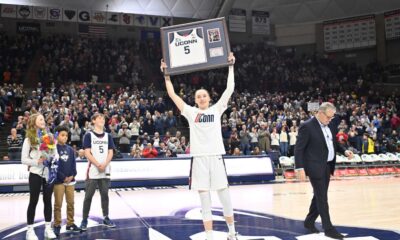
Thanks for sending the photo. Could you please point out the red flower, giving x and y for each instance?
(43, 147)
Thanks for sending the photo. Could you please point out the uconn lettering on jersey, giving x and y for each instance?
(204, 118)
(179, 42)
(99, 142)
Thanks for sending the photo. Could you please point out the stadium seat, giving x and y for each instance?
(384, 158)
(375, 158)
(341, 160)
(392, 157)
(356, 159)
(367, 158)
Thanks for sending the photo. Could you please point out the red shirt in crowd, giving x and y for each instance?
(150, 153)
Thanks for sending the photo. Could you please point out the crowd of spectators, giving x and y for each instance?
(273, 90)
(16, 55)
(64, 59)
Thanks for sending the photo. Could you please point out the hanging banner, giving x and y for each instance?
(54, 14)
(24, 12)
(154, 21)
(40, 13)
(392, 24)
(166, 21)
(83, 16)
(260, 23)
(349, 33)
(237, 20)
(140, 21)
(113, 18)
(8, 11)
(126, 19)
(70, 15)
(98, 17)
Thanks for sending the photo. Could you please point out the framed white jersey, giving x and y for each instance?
(195, 46)
(187, 47)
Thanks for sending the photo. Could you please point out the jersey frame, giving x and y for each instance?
(216, 44)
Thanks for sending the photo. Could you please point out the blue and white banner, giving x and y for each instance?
(83, 16)
(154, 21)
(140, 20)
(54, 14)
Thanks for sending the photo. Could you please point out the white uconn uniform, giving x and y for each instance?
(206, 144)
(99, 150)
(187, 49)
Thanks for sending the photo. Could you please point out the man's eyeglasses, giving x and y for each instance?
(329, 117)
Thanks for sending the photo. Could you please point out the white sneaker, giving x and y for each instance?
(49, 233)
(31, 235)
(233, 237)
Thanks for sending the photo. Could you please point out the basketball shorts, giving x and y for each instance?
(208, 173)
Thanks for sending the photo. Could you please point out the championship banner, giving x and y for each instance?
(98, 17)
(195, 46)
(70, 15)
(40, 13)
(260, 23)
(349, 33)
(140, 21)
(113, 18)
(84, 16)
(24, 12)
(126, 19)
(8, 11)
(392, 24)
(237, 20)
(54, 14)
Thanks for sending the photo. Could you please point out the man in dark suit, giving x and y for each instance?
(315, 156)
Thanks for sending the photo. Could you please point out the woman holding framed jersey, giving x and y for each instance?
(208, 168)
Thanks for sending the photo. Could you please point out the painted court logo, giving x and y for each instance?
(204, 118)
(186, 224)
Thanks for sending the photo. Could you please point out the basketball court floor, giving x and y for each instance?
(361, 208)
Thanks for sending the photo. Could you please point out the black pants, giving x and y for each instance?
(36, 182)
(319, 204)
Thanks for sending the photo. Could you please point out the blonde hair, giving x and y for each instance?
(31, 132)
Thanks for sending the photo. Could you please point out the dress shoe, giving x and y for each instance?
(311, 228)
(333, 233)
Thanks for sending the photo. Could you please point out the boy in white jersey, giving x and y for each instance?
(208, 168)
(98, 147)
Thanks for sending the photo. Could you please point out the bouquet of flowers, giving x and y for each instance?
(47, 147)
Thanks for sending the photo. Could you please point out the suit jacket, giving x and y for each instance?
(311, 151)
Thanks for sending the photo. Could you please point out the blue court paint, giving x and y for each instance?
(184, 224)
